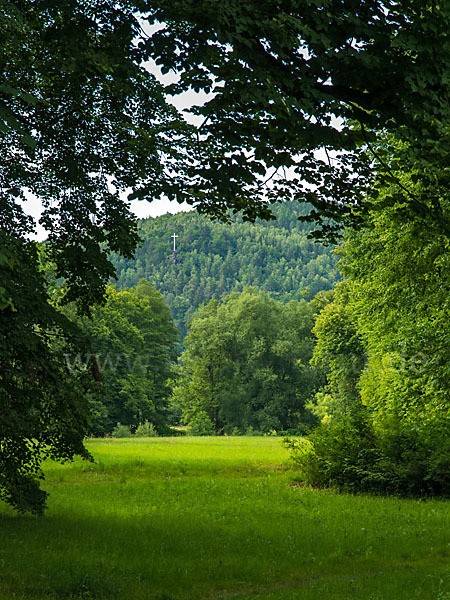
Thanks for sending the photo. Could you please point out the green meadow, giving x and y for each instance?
(216, 518)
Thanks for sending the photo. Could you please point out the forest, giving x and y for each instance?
(288, 362)
(260, 370)
(214, 259)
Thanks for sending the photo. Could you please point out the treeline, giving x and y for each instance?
(357, 376)
(214, 259)
(245, 368)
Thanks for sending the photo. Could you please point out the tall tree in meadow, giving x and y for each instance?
(383, 343)
(246, 363)
(132, 348)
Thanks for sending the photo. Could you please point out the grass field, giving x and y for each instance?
(216, 518)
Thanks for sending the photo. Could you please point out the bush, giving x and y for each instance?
(121, 431)
(339, 453)
(201, 424)
(146, 429)
(347, 455)
(305, 459)
(419, 464)
(253, 432)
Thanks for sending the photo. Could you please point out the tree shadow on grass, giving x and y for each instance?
(186, 540)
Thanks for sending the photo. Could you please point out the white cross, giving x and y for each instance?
(174, 240)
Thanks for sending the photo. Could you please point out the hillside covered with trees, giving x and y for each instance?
(214, 259)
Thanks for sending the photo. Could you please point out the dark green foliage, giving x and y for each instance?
(346, 453)
(341, 453)
(43, 403)
(78, 126)
(80, 123)
(133, 341)
(284, 74)
(214, 259)
(246, 363)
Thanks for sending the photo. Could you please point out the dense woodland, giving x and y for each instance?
(214, 259)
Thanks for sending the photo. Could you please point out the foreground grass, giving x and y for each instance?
(207, 518)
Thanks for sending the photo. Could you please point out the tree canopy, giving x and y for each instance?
(246, 363)
(290, 78)
(81, 121)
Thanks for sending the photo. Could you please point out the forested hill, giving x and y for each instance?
(214, 259)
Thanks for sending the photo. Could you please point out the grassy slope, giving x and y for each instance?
(213, 518)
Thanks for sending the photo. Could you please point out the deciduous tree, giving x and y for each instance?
(246, 363)
(133, 347)
(81, 121)
(289, 78)
(383, 343)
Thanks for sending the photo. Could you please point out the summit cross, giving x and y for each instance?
(174, 241)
